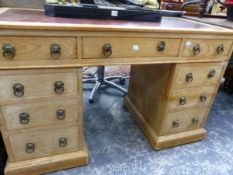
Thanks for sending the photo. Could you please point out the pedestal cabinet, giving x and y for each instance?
(171, 102)
(41, 109)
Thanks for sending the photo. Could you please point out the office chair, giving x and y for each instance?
(99, 79)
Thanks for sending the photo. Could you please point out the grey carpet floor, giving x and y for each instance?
(118, 147)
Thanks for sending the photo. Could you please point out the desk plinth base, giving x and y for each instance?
(161, 142)
(47, 164)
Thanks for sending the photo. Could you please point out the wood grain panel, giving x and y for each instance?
(192, 96)
(208, 48)
(41, 113)
(147, 85)
(199, 73)
(48, 164)
(5, 137)
(161, 142)
(38, 48)
(45, 140)
(180, 138)
(129, 47)
(184, 118)
(37, 83)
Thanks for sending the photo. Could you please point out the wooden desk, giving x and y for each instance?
(176, 69)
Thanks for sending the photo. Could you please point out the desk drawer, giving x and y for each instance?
(181, 99)
(201, 47)
(44, 142)
(41, 113)
(29, 84)
(102, 47)
(184, 120)
(37, 48)
(197, 74)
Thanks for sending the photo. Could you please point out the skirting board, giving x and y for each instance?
(47, 164)
(161, 142)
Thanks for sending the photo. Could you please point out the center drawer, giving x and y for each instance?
(29, 84)
(37, 48)
(47, 141)
(123, 47)
(41, 113)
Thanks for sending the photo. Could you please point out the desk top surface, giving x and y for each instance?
(36, 19)
(214, 21)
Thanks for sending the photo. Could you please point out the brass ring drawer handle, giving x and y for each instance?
(61, 114)
(59, 87)
(18, 90)
(196, 49)
(203, 98)
(63, 142)
(55, 50)
(195, 120)
(189, 77)
(183, 100)
(161, 46)
(220, 49)
(24, 118)
(211, 73)
(175, 123)
(30, 147)
(107, 50)
(8, 51)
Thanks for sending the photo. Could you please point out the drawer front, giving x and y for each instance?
(35, 144)
(40, 113)
(37, 48)
(193, 75)
(102, 47)
(37, 84)
(184, 121)
(192, 97)
(200, 48)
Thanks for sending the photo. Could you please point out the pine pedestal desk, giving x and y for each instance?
(177, 66)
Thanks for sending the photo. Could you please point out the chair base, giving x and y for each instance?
(101, 80)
